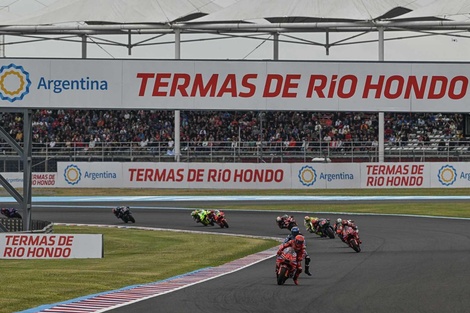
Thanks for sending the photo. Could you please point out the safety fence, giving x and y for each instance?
(46, 156)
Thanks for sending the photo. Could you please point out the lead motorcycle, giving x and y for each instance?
(124, 213)
(286, 265)
(219, 218)
(286, 221)
(11, 213)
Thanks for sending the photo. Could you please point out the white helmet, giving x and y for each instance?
(278, 219)
(339, 220)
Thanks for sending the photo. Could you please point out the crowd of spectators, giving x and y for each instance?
(86, 128)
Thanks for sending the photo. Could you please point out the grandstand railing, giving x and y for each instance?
(45, 157)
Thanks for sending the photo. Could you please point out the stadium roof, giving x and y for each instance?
(222, 17)
(117, 11)
(283, 15)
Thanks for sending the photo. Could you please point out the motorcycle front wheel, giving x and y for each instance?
(282, 276)
(355, 245)
(131, 218)
(330, 232)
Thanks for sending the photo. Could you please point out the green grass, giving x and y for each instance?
(130, 257)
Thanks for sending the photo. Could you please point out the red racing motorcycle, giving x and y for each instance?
(286, 221)
(351, 238)
(219, 218)
(286, 265)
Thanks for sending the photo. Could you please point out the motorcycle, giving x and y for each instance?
(11, 213)
(219, 218)
(205, 217)
(325, 228)
(286, 222)
(351, 238)
(286, 265)
(125, 214)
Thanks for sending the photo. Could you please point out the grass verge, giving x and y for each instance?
(130, 257)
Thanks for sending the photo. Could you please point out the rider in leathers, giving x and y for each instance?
(340, 227)
(298, 244)
(294, 232)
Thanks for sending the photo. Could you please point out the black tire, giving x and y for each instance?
(226, 224)
(330, 232)
(131, 218)
(17, 215)
(356, 247)
(282, 276)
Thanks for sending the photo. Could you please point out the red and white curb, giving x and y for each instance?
(117, 298)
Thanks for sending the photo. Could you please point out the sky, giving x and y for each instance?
(435, 48)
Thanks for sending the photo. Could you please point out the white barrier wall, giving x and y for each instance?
(251, 175)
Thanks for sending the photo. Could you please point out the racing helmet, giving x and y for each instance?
(299, 241)
(339, 220)
(295, 231)
(307, 218)
(278, 219)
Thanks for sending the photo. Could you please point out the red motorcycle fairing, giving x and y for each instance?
(286, 265)
(351, 237)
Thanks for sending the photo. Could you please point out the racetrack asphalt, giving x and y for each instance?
(407, 264)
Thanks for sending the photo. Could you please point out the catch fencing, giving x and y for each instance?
(46, 156)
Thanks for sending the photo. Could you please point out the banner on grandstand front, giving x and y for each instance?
(234, 85)
(40, 180)
(51, 246)
(262, 176)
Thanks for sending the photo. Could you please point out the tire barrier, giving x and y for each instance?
(15, 225)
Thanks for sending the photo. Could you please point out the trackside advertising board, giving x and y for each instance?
(262, 176)
(50, 246)
(226, 85)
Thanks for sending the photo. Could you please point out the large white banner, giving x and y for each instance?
(263, 175)
(229, 85)
(50, 246)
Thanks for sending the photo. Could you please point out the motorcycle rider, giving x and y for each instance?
(293, 233)
(195, 215)
(280, 220)
(298, 244)
(217, 214)
(118, 211)
(205, 216)
(340, 225)
(10, 212)
(314, 221)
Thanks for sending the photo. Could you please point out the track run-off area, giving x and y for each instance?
(407, 263)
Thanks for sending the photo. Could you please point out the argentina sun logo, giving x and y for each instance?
(14, 82)
(307, 175)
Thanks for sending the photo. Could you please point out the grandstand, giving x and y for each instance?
(249, 136)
